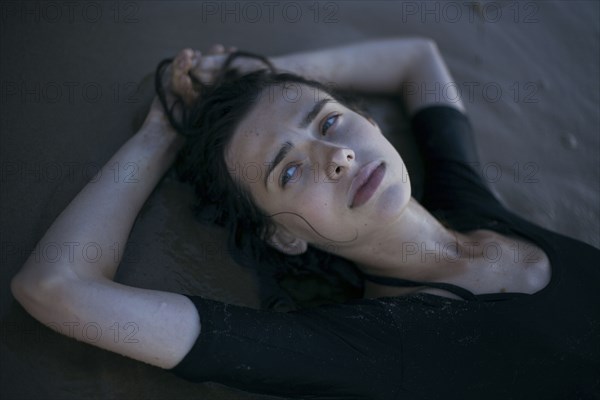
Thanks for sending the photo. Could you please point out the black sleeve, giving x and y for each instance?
(326, 352)
(452, 182)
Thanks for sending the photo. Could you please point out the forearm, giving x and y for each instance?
(92, 231)
(395, 66)
(76, 288)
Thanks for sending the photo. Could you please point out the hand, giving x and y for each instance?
(189, 62)
(178, 81)
(189, 66)
(210, 65)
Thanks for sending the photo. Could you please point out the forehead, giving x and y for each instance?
(282, 104)
(275, 118)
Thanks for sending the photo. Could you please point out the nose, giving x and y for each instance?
(338, 162)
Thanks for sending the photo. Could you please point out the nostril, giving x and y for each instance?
(338, 170)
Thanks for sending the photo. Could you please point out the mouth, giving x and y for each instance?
(365, 183)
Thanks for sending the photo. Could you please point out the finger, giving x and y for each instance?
(183, 62)
(183, 87)
(180, 82)
(184, 58)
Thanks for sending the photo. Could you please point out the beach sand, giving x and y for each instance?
(74, 81)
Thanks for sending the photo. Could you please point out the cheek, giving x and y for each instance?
(315, 206)
(392, 202)
(315, 218)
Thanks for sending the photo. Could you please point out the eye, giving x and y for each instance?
(329, 121)
(289, 174)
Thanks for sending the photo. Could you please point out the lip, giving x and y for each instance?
(366, 182)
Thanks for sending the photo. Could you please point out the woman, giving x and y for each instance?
(440, 315)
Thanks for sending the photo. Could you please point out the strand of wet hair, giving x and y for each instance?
(240, 53)
(225, 68)
(160, 92)
(313, 228)
(182, 128)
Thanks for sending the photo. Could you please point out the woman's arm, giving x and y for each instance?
(412, 67)
(77, 293)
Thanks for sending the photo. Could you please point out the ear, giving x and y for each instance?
(286, 243)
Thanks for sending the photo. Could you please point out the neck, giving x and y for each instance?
(416, 246)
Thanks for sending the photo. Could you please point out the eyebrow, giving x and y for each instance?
(312, 114)
(285, 148)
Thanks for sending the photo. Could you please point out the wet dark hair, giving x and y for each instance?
(209, 125)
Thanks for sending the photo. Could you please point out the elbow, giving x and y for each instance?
(429, 42)
(21, 289)
(428, 46)
(35, 293)
(422, 42)
(26, 291)
(423, 49)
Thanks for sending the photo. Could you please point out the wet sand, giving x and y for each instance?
(73, 83)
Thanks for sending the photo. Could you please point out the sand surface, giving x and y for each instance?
(72, 84)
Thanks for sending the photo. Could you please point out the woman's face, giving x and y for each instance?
(303, 157)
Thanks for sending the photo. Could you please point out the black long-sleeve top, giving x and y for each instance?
(544, 345)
